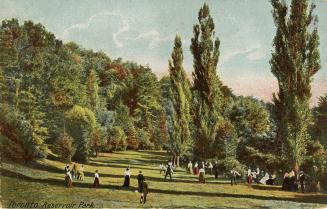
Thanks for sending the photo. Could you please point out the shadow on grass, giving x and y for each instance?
(124, 163)
(264, 187)
(140, 152)
(307, 199)
(141, 156)
(53, 157)
(48, 168)
(114, 165)
(151, 152)
(298, 198)
(155, 179)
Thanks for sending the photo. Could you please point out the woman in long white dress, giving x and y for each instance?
(127, 177)
(264, 179)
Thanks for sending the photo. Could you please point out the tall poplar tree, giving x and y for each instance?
(92, 90)
(294, 62)
(180, 141)
(207, 96)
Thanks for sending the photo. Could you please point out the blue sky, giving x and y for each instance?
(143, 31)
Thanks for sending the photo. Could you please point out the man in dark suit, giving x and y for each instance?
(215, 169)
(145, 191)
(168, 172)
(140, 180)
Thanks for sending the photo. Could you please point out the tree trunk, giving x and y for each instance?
(177, 161)
(173, 159)
(296, 170)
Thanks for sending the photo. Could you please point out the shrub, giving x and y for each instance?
(80, 125)
(16, 137)
(144, 140)
(227, 164)
(117, 139)
(132, 141)
(65, 148)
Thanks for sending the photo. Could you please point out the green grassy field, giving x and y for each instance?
(43, 183)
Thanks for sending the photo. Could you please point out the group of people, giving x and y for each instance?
(143, 187)
(77, 172)
(255, 176)
(201, 169)
(291, 180)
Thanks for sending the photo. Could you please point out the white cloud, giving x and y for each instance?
(253, 52)
(84, 26)
(257, 54)
(154, 38)
(226, 55)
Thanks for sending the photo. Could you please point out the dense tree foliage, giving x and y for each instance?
(294, 62)
(207, 96)
(180, 139)
(80, 123)
(63, 89)
(320, 117)
(64, 147)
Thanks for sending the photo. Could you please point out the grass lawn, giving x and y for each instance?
(43, 183)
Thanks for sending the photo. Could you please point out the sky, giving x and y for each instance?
(143, 31)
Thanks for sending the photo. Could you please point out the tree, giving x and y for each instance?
(96, 141)
(16, 137)
(161, 132)
(168, 109)
(180, 141)
(207, 96)
(65, 148)
(294, 62)
(251, 120)
(3, 88)
(80, 126)
(117, 139)
(132, 142)
(92, 91)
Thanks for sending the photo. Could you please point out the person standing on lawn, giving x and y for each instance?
(74, 171)
(140, 180)
(210, 168)
(145, 191)
(201, 176)
(215, 170)
(233, 175)
(249, 176)
(168, 172)
(127, 175)
(196, 168)
(96, 183)
(190, 167)
(68, 178)
(80, 173)
(302, 179)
